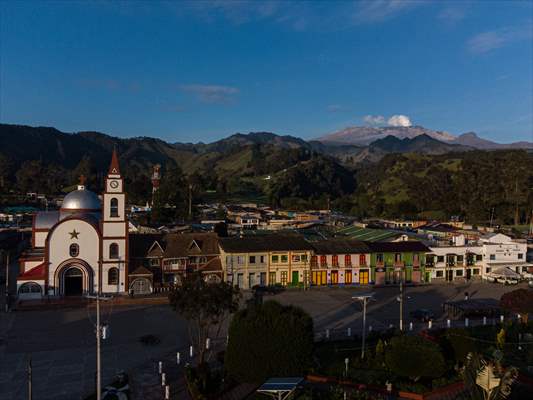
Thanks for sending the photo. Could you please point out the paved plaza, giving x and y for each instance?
(61, 342)
(333, 308)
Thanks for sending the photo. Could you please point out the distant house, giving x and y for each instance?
(454, 262)
(437, 229)
(266, 260)
(169, 257)
(248, 221)
(191, 252)
(340, 261)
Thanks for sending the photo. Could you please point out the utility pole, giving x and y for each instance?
(516, 214)
(364, 298)
(401, 305)
(29, 380)
(98, 337)
(364, 329)
(7, 282)
(190, 201)
(531, 225)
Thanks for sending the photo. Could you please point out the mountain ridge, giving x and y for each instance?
(364, 135)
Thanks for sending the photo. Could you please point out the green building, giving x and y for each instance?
(395, 262)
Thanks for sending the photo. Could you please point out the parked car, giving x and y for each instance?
(422, 314)
(527, 275)
(489, 278)
(507, 281)
(271, 289)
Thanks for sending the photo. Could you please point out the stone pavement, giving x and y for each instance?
(146, 381)
(61, 343)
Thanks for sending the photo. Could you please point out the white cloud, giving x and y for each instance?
(380, 10)
(212, 93)
(374, 119)
(452, 15)
(297, 15)
(399, 120)
(491, 40)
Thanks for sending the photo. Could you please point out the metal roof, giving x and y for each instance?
(280, 384)
(46, 219)
(367, 234)
(81, 200)
(265, 243)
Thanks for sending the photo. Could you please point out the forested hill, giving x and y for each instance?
(47, 160)
(391, 177)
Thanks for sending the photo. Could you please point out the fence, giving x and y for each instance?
(350, 332)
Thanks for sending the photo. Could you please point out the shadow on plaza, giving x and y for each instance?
(384, 309)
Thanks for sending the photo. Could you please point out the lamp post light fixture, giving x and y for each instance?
(364, 298)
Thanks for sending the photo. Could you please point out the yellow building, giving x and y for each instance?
(266, 260)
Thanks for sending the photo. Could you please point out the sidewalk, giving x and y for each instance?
(74, 302)
(145, 381)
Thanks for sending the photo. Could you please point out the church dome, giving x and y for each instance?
(81, 199)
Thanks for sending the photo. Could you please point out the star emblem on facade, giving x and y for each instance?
(74, 234)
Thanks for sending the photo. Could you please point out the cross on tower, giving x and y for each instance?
(83, 179)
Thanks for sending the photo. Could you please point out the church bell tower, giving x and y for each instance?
(114, 231)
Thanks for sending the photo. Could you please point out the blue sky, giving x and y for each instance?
(199, 71)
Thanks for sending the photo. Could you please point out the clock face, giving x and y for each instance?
(114, 184)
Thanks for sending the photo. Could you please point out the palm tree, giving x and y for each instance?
(487, 380)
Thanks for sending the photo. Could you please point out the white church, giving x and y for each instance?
(82, 248)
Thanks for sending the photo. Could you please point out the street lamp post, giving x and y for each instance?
(364, 298)
(401, 305)
(7, 279)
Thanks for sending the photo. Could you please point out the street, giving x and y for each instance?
(61, 342)
(333, 308)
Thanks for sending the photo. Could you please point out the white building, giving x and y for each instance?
(82, 247)
(502, 251)
(461, 260)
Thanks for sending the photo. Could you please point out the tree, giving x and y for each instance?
(500, 339)
(486, 380)
(170, 201)
(268, 340)
(5, 170)
(415, 357)
(518, 301)
(221, 229)
(205, 306)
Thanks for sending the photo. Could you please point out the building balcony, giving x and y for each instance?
(380, 264)
(399, 264)
(175, 268)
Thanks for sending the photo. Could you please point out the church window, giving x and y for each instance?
(114, 207)
(112, 276)
(74, 250)
(113, 250)
(30, 287)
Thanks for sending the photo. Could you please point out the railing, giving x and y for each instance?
(175, 267)
(399, 264)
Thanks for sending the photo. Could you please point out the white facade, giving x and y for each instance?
(455, 262)
(475, 261)
(82, 248)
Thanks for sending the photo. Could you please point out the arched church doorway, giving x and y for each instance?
(73, 280)
(141, 286)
